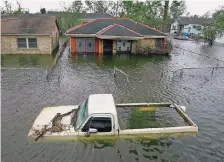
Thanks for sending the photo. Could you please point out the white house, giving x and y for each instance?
(190, 25)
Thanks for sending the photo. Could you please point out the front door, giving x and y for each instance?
(80, 45)
(90, 44)
(107, 46)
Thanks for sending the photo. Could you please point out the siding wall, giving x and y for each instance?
(134, 47)
(185, 28)
(9, 45)
(174, 27)
(193, 30)
(55, 38)
(148, 42)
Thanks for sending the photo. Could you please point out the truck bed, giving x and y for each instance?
(141, 117)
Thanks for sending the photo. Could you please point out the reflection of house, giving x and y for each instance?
(190, 25)
(110, 35)
(29, 34)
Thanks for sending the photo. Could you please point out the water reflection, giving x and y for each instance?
(26, 60)
(117, 60)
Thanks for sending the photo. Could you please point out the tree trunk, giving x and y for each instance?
(165, 15)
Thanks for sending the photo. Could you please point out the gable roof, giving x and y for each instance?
(98, 25)
(118, 30)
(28, 24)
(192, 20)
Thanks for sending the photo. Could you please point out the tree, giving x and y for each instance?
(177, 9)
(7, 9)
(42, 10)
(165, 15)
(215, 26)
(76, 7)
(99, 6)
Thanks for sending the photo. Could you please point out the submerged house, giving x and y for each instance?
(29, 34)
(114, 35)
(190, 25)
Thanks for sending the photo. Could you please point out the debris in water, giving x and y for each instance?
(56, 125)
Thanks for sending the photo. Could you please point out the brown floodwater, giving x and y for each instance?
(185, 78)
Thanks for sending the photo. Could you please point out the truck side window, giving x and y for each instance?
(102, 124)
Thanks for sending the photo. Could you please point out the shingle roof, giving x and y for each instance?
(98, 24)
(192, 20)
(28, 24)
(118, 30)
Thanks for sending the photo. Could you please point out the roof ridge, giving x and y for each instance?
(129, 29)
(106, 29)
(137, 23)
(80, 25)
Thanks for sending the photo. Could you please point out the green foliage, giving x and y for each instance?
(149, 13)
(67, 20)
(42, 10)
(177, 9)
(76, 7)
(215, 27)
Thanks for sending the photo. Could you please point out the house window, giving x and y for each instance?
(123, 44)
(21, 42)
(27, 42)
(102, 124)
(174, 27)
(32, 42)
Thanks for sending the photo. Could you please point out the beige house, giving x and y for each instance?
(29, 34)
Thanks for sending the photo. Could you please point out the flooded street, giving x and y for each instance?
(184, 78)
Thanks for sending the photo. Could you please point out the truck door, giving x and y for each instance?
(97, 126)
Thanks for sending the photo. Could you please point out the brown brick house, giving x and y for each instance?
(29, 34)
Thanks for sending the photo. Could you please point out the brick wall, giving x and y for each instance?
(55, 36)
(9, 45)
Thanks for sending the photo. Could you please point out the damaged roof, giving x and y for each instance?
(28, 24)
(123, 27)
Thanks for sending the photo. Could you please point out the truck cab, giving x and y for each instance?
(97, 115)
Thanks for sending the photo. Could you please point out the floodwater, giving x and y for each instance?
(184, 78)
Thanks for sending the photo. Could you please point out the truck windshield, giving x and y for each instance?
(82, 114)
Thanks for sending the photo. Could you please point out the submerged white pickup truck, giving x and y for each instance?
(97, 117)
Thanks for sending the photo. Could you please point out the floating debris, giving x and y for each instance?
(54, 127)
